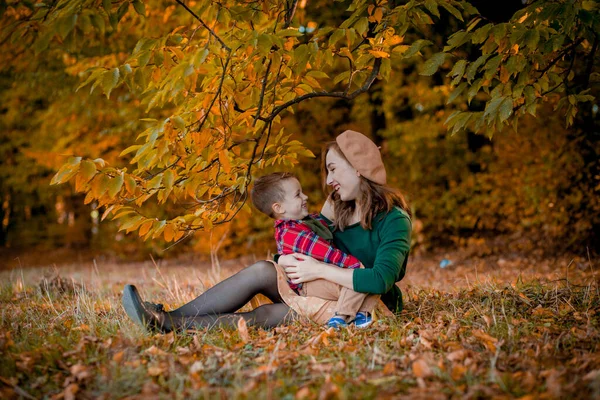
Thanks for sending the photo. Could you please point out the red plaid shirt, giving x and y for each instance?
(293, 236)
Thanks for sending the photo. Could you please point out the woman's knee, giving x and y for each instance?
(263, 268)
(270, 315)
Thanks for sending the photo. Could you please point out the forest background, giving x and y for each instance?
(534, 181)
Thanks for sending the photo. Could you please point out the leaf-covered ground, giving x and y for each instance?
(484, 327)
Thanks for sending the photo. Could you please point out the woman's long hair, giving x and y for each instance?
(375, 197)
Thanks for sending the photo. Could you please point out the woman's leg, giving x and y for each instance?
(266, 316)
(231, 294)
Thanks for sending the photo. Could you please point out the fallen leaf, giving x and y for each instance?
(421, 369)
(156, 370)
(155, 351)
(488, 341)
(303, 393)
(389, 368)
(71, 391)
(243, 330)
(329, 390)
(118, 357)
(80, 371)
(458, 371)
(457, 355)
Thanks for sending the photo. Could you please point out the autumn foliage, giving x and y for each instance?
(199, 97)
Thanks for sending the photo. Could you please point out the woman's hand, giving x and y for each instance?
(301, 268)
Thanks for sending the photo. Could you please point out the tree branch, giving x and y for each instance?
(204, 25)
(262, 93)
(216, 95)
(289, 14)
(561, 55)
(342, 95)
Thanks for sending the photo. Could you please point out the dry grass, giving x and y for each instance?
(470, 331)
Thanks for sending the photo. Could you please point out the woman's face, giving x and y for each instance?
(342, 176)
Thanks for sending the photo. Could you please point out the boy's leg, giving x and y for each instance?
(370, 303)
(350, 302)
(322, 289)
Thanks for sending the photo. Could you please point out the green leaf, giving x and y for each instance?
(110, 80)
(139, 7)
(506, 109)
(264, 44)
(457, 40)
(66, 24)
(87, 170)
(458, 71)
(474, 66)
(416, 47)
(452, 10)
(131, 224)
(362, 25)
(107, 4)
(130, 149)
(492, 106)
(115, 185)
(122, 10)
(98, 23)
(289, 32)
(432, 65)
(336, 36)
(456, 92)
(317, 74)
(42, 42)
(341, 77)
(473, 90)
(432, 7)
(481, 34)
(532, 38)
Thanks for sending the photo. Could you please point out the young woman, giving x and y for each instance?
(371, 221)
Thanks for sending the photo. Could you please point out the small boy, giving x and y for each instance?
(279, 195)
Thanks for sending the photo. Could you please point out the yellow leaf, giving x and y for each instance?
(378, 14)
(224, 160)
(145, 227)
(130, 184)
(169, 232)
(379, 54)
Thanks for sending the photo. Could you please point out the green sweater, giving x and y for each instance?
(383, 250)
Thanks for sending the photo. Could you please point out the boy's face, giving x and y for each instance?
(293, 205)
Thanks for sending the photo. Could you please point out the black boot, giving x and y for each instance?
(150, 316)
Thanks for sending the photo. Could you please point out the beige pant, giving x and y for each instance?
(349, 302)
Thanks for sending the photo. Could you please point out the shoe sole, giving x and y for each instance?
(131, 304)
(366, 325)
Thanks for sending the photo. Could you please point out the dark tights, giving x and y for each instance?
(218, 305)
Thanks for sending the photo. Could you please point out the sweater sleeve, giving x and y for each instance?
(390, 256)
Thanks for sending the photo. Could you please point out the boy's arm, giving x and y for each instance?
(301, 239)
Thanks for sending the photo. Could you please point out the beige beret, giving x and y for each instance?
(363, 155)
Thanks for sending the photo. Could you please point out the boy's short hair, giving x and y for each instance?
(267, 191)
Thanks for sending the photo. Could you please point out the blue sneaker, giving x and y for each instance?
(337, 322)
(363, 319)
